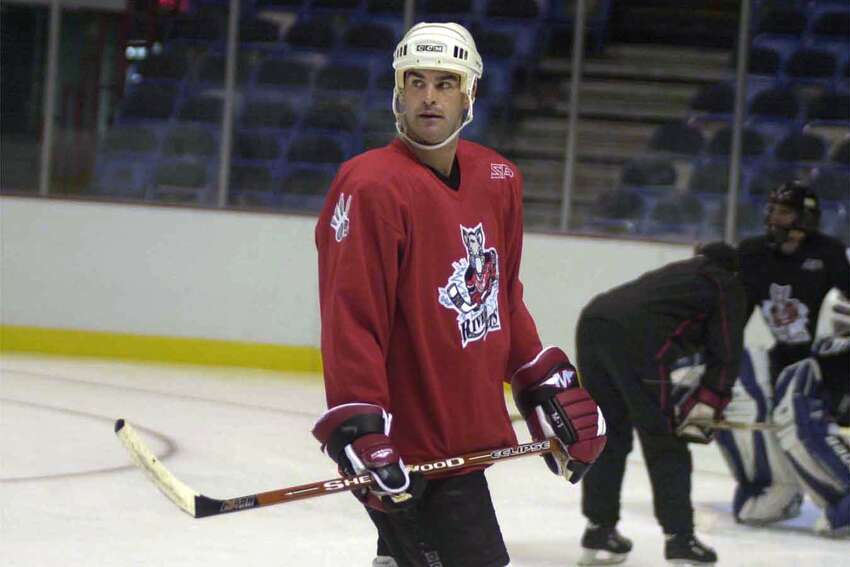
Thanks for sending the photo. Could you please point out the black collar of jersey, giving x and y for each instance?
(453, 180)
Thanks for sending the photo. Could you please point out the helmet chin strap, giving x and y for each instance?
(399, 119)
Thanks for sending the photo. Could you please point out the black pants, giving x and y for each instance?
(628, 393)
(453, 525)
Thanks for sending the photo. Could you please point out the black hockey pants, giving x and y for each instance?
(627, 390)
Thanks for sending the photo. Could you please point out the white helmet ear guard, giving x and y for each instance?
(438, 47)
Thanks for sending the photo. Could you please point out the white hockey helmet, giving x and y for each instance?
(439, 47)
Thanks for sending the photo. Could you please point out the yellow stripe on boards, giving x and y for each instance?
(214, 352)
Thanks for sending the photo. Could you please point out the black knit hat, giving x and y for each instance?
(721, 254)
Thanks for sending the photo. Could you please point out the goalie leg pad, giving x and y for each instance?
(767, 488)
(821, 458)
(835, 521)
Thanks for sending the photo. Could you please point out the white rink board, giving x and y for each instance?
(241, 276)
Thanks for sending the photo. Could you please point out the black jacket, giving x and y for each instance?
(684, 308)
(789, 289)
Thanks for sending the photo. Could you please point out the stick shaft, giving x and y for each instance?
(200, 506)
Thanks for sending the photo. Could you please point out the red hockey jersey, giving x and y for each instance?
(421, 302)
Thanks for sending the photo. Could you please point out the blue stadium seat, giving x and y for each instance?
(259, 145)
(148, 102)
(762, 61)
(196, 28)
(800, 147)
(313, 33)
(121, 177)
(840, 154)
(374, 36)
(270, 112)
(191, 140)
(830, 23)
(710, 177)
(183, 181)
(338, 6)
(752, 143)
(714, 100)
(514, 9)
(172, 65)
(294, 6)
(296, 73)
(205, 108)
(810, 64)
(477, 130)
(768, 176)
(332, 113)
(212, 67)
(782, 21)
(652, 172)
(831, 183)
(497, 82)
(450, 10)
(775, 104)
(313, 148)
(385, 7)
(304, 186)
(677, 137)
(259, 32)
(345, 75)
(253, 185)
(830, 106)
(677, 217)
(130, 141)
(617, 211)
(506, 40)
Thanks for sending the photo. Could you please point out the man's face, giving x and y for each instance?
(433, 105)
(780, 215)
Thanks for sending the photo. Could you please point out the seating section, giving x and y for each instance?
(797, 125)
(313, 84)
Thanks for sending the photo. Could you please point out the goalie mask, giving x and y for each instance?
(437, 47)
(799, 197)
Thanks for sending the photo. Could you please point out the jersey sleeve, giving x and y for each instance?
(724, 335)
(359, 250)
(525, 341)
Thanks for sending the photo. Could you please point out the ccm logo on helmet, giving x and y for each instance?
(431, 47)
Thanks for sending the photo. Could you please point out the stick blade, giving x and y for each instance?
(173, 488)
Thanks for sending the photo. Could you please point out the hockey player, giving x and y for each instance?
(788, 271)
(423, 319)
(787, 274)
(627, 340)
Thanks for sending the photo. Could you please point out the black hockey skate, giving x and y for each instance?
(603, 546)
(686, 549)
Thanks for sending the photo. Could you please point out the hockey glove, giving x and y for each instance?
(356, 437)
(549, 397)
(695, 411)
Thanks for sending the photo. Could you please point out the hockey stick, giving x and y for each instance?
(199, 506)
(755, 426)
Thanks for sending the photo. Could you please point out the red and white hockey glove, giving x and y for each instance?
(356, 437)
(549, 397)
(696, 409)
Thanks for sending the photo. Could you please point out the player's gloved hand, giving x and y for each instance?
(356, 437)
(549, 397)
(695, 410)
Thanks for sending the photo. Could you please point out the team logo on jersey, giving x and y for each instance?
(339, 220)
(786, 316)
(500, 171)
(473, 288)
(812, 264)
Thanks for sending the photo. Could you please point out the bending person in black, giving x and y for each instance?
(626, 341)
